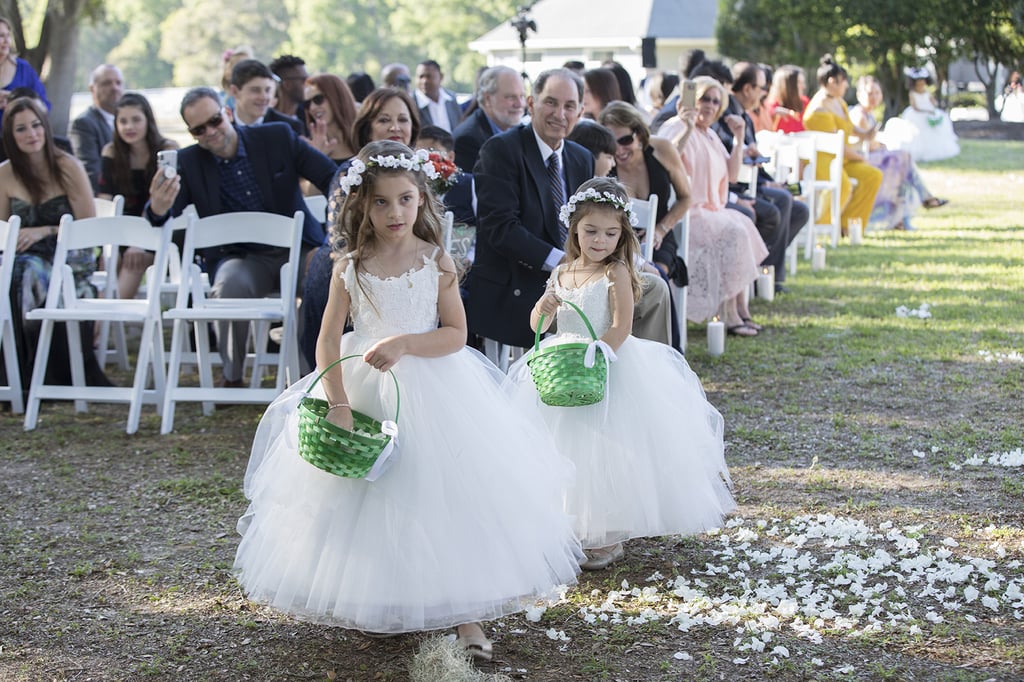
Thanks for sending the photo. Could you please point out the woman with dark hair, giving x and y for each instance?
(330, 111)
(599, 88)
(15, 72)
(626, 90)
(386, 114)
(128, 163)
(360, 84)
(827, 112)
(787, 99)
(39, 183)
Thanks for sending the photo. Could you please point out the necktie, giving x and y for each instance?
(558, 193)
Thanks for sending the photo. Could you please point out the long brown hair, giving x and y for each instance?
(122, 180)
(786, 89)
(34, 182)
(370, 108)
(627, 249)
(341, 101)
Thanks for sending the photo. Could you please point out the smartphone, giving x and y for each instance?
(756, 160)
(167, 162)
(689, 94)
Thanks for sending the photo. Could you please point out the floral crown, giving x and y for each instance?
(418, 162)
(592, 195)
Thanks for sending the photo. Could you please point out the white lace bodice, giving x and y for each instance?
(593, 299)
(406, 304)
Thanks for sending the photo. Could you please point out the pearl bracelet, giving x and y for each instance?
(334, 405)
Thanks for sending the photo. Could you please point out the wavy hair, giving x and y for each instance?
(33, 181)
(343, 104)
(122, 161)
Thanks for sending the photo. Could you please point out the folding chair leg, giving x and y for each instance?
(74, 333)
(38, 373)
(13, 371)
(179, 336)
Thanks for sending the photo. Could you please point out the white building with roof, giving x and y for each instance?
(645, 36)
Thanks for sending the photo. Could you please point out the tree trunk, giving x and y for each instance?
(60, 35)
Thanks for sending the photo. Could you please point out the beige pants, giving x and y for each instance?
(652, 315)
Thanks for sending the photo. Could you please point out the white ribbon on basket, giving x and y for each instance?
(590, 357)
(385, 459)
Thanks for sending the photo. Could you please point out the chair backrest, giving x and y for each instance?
(646, 213)
(244, 227)
(107, 232)
(317, 205)
(9, 241)
(106, 208)
(834, 144)
(447, 223)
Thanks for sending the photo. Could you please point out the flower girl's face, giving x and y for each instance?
(394, 204)
(599, 232)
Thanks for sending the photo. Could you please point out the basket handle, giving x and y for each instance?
(540, 323)
(398, 394)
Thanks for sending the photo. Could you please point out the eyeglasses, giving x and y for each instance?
(317, 99)
(626, 140)
(708, 100)
(214, 122)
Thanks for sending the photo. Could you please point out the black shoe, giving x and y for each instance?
(781, 288)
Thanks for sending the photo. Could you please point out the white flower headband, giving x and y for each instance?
(419, 161)
(592, 195)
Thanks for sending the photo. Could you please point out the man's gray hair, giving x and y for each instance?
(196, 94)
(542, 79)
(488, 84)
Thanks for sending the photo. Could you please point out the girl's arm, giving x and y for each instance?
(446, 339)
(736, 126)
(621, 293)
(546, 305)
(328, 346)
(673, 163)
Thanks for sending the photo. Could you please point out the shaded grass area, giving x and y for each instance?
(116, 550)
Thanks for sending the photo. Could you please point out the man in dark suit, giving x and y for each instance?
(502, 103)
(94, 128)
(233, 169)
(519, 237)
(253, 86)
(437, 105)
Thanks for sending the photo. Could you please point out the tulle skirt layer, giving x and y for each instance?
(467, 523)
(649, 458)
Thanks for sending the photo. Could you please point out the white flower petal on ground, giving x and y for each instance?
(682, 656)
(534, 613)
(970, 593)
(990, 602)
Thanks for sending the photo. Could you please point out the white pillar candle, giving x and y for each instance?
(766, 283)
(716, 337)
(856, 230)
(818, 258)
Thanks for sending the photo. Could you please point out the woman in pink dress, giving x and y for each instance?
(725, 247)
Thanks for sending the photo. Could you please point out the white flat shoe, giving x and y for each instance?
(602, 557)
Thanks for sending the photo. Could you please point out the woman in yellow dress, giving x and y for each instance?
(827, 112)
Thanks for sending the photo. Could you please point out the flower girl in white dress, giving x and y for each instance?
(467, 523)
(649, 457)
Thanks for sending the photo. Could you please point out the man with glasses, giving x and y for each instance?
(776, 214)
(231, 169)
(291, 76)
(502, 103)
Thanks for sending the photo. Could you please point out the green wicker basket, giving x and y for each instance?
(339, 451)
(559, 373)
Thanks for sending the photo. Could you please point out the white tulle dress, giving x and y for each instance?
(467, 523)
(923, 130)
(649, 458)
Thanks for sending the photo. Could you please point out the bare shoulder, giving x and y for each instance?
(665, 152)
(617, 271)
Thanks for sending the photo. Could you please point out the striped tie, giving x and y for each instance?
(558, 193)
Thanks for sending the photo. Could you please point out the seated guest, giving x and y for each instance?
(501, 101)
(599, 88)
(386, 114)
(438, 106)
(902, 189)
(60, 142)
(459, 197)
(40, 184)
(252, 88)
(360, 84)
(599, 142)
(229, 169)
(291, 76)
(94, 127)
(627, 93)
(725, 247)
(396, 76)
(128, 165)
(330, 111)
(787, 99)
(14, 71)
(827, 112)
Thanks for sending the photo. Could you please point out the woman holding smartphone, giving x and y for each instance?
(129, 162)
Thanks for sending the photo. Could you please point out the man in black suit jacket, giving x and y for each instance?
(437, 105)
(240, 169)
(502, 103)
(94, 128)
(253, 86)
(518, 235)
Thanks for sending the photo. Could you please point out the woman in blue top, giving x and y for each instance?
(14, 72)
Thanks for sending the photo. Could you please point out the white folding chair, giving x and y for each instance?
(786, 170)
(195, 308)
(105, 281)
(317, 205)
(11, 391)
(64, 305)
(646, 213)
(447, 223)
(833, 144)
(682, 234)
(107, 208)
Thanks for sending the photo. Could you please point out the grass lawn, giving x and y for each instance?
(876, 461)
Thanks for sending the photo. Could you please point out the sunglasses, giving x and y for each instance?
(315, 99)
(709, 100)
(626, 140)
(214, 122)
